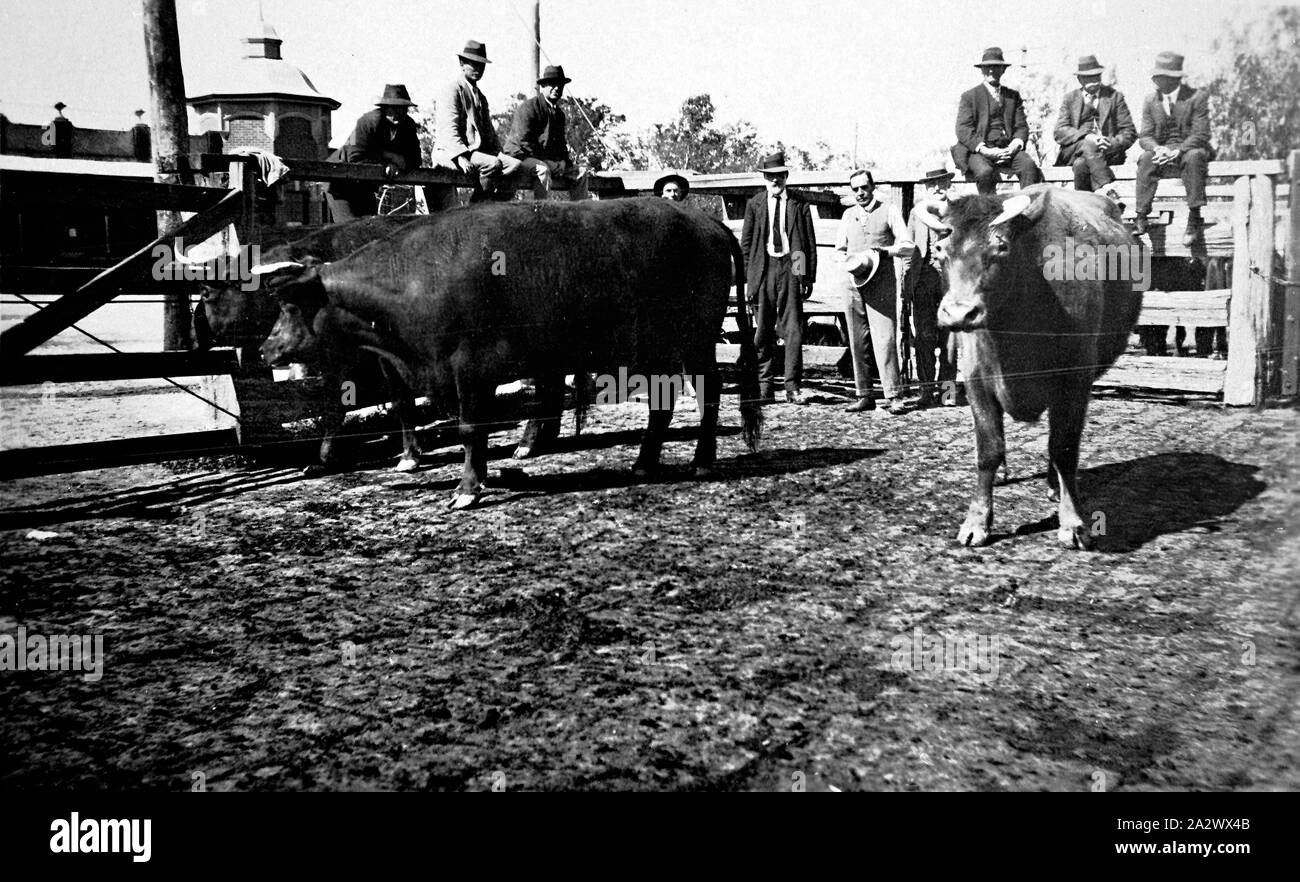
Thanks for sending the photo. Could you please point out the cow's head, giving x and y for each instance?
(295, 287)
(991, 262)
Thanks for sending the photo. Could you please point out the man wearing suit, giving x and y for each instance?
(537, 139)
(780, 250)
(385, 135)
(923, 285)
(870, 235)
(991, 129)
(466, 137)
(1094, 130)
(1175, 140)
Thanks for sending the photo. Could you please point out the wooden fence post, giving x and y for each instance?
(1239, 379)
(1262, 313)
(1291, 299)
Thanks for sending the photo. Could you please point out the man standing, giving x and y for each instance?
(385, 135)
(991, 129)
(924, 286)
(538, 141)
(465, 134)
(1175, 140)
(780, 250)
(1094, 129)
(673, 187)
(870, 235)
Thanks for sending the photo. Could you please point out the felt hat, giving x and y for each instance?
(773, 163)
(993, 56)
(671, 178)
(1089, 66)
(1168, 64)
(862, 266)
(554, 73)
(475, 51)
(395, 94)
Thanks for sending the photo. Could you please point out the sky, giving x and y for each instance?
(890, 72)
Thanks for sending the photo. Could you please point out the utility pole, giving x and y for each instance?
(170, 138)
(537, 38)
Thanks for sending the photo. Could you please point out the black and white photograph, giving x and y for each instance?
(650, 395)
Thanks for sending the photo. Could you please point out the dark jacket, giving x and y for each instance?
(975, 111)
(537, 131)
(755, 234)
(374, 140)
(1188, 130)
(1113, 120)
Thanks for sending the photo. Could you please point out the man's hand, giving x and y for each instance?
(805, 287)
(390, 171)
(1014, 147)
(462, 163)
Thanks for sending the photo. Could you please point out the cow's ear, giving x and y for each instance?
(1029, 206)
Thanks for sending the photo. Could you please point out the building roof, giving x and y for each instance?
(261, 73)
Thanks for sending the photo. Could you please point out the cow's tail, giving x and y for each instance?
(751, 411)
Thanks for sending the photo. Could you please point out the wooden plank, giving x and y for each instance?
(1259, 291)
(1195, 309)
(46, 189)
(39, 327)
(62, 279)
(54, 459)
(1291, 301)
(91, 366)
(1239, 380)
(1200, 375)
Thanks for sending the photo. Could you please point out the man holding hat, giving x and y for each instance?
(538, 141)
(991, 129)
(1094, 130)
(924, 284)
(385, 135)
(780, 250)
(466, 137)
(1175, 140)
(871, 234)
(673, 187)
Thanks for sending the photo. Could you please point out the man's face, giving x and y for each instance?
(992, 74)
(674, 192)
(394, 113)
(1091, 83)
(863, 189)
(473, 70)
(775, 182)
(938, 189)
(552, 92)
(1166, 84)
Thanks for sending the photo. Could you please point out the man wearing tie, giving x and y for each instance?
(1094, 129)
(991, 129)
(780, 249)
(1175, 140)
(466, 136)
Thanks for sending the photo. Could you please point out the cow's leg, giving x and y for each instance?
(331, 422)
(990, 452)
(662, 398)
(475, 397)
(541, 432)
(1065, 426)
(404, 404)
(708, 392)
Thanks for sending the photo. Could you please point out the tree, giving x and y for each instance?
(1255, 98)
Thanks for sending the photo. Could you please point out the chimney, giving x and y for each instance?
(265, 46)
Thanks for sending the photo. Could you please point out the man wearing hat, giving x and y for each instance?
(673, 187)
(1094, 130)
(385, 135)
(923, 285)
(780, 250)
(1175, 141)
(991, 129)
(871, 234)
(466, 136)
(538, 141)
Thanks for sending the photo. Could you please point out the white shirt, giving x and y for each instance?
(780, 224)
(1169, 99)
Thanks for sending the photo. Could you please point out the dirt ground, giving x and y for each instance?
(750, 632)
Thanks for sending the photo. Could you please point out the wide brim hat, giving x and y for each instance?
(1089, 66)
(862, 266)
(395, 95)
(553, 74)
(671, 178)
(993, 56)
(1168, 64)
(474, 51)
(773, 164)
(937, 174)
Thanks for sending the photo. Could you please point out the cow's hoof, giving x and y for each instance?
(1075, 537)
(1053, 494)
(973, 535)
(407, 464)
(523, 451)
(463, 500)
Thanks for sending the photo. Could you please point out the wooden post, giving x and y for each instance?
(1239, 379)
(1291, 300)
(1262, 313)
(537, 38)
(170, 141)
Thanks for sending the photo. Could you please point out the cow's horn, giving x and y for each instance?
(1014, 206)
(264, 268)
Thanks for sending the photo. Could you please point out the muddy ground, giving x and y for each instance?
(750, 632)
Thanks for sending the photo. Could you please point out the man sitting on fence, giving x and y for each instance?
(385, 135)
(1094, 129)
(538, 141)
(1175, 139)
(466, 136)
(991, 129)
